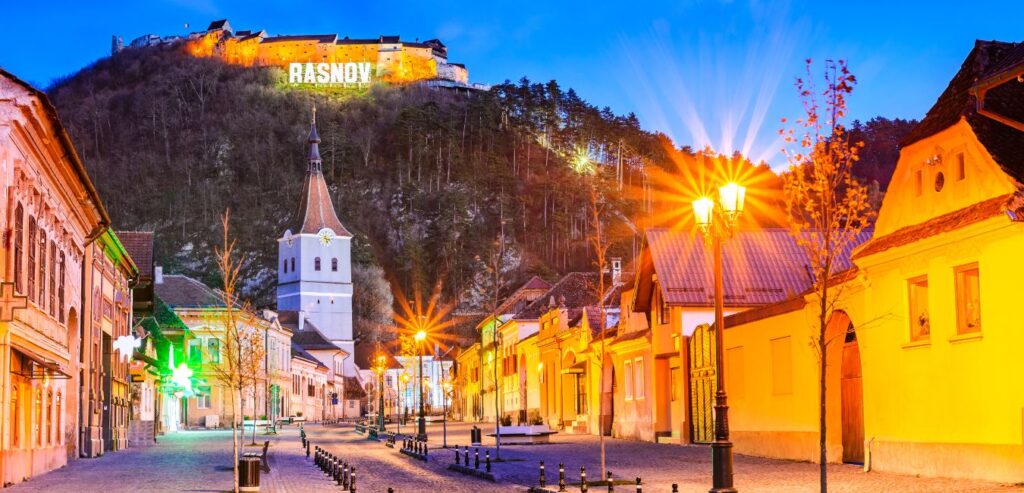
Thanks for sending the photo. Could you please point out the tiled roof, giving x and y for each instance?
(310, 338)
(536, 282)
(139, 245)
(316, 210)
(759, 267)
(575, 290)
(180, 291)
(367, 351)
(218, 24)
(299, 353)
(523, 296)
(986, 59)
(353, 390)
(947, 222)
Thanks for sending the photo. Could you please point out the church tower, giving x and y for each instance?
(314, 258)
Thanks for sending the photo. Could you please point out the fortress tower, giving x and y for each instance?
(314, 258)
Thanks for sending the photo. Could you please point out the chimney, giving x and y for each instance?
(158, 274)
(616, 270)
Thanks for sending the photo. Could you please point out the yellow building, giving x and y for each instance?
(924, 375)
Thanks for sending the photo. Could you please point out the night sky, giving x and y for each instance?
(703, 72)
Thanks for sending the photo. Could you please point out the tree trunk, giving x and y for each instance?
(821, 387)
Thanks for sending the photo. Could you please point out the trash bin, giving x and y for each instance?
(474, 435)
(249, 474)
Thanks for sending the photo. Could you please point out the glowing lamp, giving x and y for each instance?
(702, 210)
(405, 378)
(420, 336)
(731, 197)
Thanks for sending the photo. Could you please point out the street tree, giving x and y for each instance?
(827, 206)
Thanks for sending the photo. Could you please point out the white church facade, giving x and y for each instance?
(315, 261)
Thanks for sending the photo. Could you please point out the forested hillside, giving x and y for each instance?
(425, 178)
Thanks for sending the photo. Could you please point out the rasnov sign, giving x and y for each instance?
(329, 73)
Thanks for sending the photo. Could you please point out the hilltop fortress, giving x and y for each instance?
(323, 58)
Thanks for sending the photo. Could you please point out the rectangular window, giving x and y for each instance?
(628, 379)
(919, 182)
(675, 376)
(968, 300)
(60, 289)
(195, 352)
(920, 322)
(203, 399)
(961, 167)
(41, 299)
(334, 265)
(19, 232)
(213, 348)
(31, 292)
(53, 279)
(665, 311)
(638, 378)
(782, 366)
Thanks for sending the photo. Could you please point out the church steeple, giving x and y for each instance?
(316, 210)
(315, 163)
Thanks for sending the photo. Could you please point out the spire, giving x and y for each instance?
(315, 163)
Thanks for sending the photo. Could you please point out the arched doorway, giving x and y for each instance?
(703, 384)
(851, 388)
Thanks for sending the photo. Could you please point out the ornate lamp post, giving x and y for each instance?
(715, 225)
(421, 336)
(379, 369)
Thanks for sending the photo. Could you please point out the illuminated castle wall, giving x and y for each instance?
(395, 61)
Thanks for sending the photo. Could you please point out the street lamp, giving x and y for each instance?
(714, 227)
(380, 368)
(421, 335)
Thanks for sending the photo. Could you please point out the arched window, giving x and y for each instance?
(15, 422)
(53, 278)
(41, 301)
(334, 265)
(316, 264)
(60, 289)
(19, 233)
(31, 270)
(49, 416)
(60, 418)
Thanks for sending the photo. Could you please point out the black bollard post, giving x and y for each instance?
(543, 481)
(465, 456)
(307, 450)
(425, 449)
(328, 464)
(583, 479)
(456, 455)
(611, 486)
(675, 488)
(352, 479)
(335, 469)
(488, 453)
(561, 477)
(344, 476)
(476, 459)
(316, 458)
(639, 488)
(339, 472)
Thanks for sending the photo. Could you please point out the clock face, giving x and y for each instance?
(326, 235)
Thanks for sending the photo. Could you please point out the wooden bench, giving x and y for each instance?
(264, 464)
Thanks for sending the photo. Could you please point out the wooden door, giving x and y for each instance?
(852, 405)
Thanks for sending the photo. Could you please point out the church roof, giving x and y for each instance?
(986, 60)
(310, 338)
(316, 210)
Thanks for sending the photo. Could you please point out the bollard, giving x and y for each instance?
(465, 456)
(344, 476)
(425, 450)
(307, 450)
(316, 458)
(476, 459)
(335, 469)
(611, 487)
(675, 488)
(543, 481)
(330, 465)
(488, 453)
(561, 477)
(639, 488)
(456, 455)
(339, 472)
(352, 479)
(583, 479)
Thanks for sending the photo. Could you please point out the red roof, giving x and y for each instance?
(316, 211)
(139, 245)
(759, 267)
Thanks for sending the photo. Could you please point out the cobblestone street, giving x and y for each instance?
(199, 461)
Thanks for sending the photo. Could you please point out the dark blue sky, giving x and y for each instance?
(704, 72)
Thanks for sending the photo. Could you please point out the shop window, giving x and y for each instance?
(15, 418)
(37, 422)
(49, 417)
(968, 300)
(920, 321)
